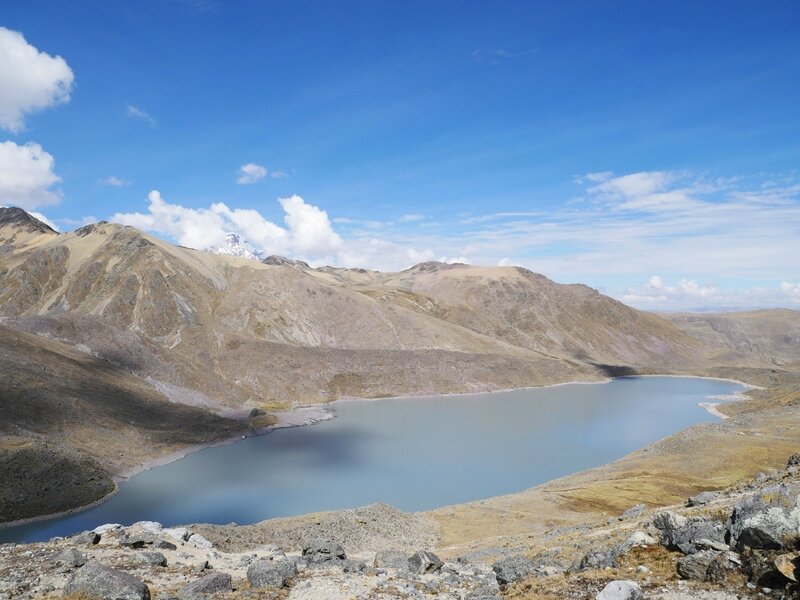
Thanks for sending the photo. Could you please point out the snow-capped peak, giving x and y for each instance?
(235, 246)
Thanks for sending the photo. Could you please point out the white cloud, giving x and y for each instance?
(135, 112)
(26, 176)
(728, 235)
(687, 294)
(411, 218)
(308, 233)
(250, 173)
(31, 80)
(115, 181)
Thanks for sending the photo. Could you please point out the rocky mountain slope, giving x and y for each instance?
(166, 347)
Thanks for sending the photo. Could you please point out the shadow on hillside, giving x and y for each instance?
(615, 370)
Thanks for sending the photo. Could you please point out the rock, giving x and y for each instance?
(679, 533)
(547, 567)
(794, 461)
(787, 564)
(512, 569)
(150, 526)
(632, 512)
(164, 545)
(107, 527)
(763, 520)
(702, 498)
(640, 538)
(70, 558)
(353, 566)
(210, 584)
(318, 551)
(137, 540)
(198, 541)
(424, 562)
(643, 570)
(151, 558)
(177, 533)
(271, 573)
(391, 559)
(598, 559)
(620, 590)
(97, 580)
(87, 538)
(697, 565)
(201, 566)
(722, 566)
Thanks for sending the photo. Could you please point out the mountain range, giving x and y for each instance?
(118, 348)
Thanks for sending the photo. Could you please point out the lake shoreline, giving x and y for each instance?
(305, 415)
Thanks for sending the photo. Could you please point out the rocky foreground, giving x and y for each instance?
(742, 542)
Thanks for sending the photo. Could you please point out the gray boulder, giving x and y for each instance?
(391, 559)
(137, 540)
(271, 573)
(620, 590)
(598, 559)
(70, 558)
(86, 538)
(424, 562)
(512, 569)
(702, 498)
(764, 520)
(164, 545)
(199, 589)
(708, 565)
(319, 551)
(150, 558)
(695, 566)
(98, 580)
(680, 533)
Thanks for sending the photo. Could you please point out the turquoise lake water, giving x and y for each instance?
(413, 453)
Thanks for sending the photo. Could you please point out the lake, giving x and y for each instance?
(414, 453)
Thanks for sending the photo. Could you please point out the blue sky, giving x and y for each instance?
(649, 149)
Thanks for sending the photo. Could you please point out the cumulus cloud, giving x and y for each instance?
(656, 239)
(31, 80)
(115, 181)
(134, 112)
(250, 173)
(308, 232)
(26, 176)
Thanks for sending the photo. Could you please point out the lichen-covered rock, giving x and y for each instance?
(512, 568)
(680, 533)
(764, 520)
(98, 580)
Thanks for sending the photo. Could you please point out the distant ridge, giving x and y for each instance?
(13, 215)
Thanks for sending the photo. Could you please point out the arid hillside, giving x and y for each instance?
(118, 347)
